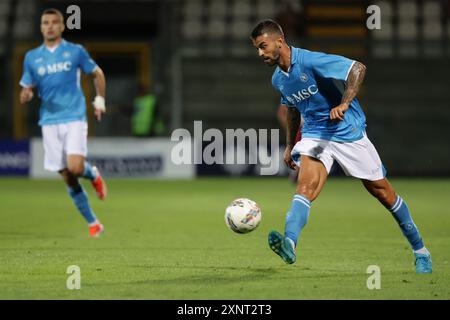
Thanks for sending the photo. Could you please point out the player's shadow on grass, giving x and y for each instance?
(245, 274)
(213, 268)
(37, 235)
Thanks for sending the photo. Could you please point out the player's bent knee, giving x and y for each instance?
(382, 191)
(307, 192)
(384, 197)
(76, 170)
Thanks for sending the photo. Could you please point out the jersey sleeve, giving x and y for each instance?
(329, 65)
(27, 79)
(86, 63)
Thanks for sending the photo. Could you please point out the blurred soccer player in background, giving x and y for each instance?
(322, 88)
(53, 69)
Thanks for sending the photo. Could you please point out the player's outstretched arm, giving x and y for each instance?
(100, 89)
(354, 81)
(26, 94)
(292, 125)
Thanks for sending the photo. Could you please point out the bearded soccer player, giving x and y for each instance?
(322, 88)
(53, 69)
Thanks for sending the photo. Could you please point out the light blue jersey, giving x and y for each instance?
(314, 85)
(56, 76)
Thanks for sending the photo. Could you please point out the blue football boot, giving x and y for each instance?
(281, 246)
(423, 263)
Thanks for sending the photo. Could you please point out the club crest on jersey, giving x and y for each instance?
(66, 54)
(41, 71)
(303, 77)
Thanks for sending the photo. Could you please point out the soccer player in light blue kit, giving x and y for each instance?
(53, 69)
(323, 88)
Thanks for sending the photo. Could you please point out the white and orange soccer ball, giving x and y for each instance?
(242, 215)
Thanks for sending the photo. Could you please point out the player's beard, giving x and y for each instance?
(273, 61)
(54, 36)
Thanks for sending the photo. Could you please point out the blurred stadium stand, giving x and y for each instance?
(197, 57)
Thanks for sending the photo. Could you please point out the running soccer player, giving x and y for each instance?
(54, 70)
(323, 88)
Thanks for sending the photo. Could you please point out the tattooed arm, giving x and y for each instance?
(292, 125)
(354, 81)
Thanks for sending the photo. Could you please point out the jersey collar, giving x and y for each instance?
(293, 61)
(63, 43)
(294, 54)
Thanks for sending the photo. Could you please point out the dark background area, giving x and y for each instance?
(201, 66)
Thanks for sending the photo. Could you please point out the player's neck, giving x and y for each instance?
(285, 58)
(52, 44)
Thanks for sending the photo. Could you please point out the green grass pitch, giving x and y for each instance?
(168, 240)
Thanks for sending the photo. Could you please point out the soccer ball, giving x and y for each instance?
(242, 215)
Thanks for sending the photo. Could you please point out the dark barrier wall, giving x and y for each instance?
(202, 66)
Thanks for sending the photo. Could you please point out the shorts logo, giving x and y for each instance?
(375, 170)
(41, 71)
(303, 77)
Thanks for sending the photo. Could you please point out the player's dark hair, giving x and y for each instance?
(267, 26)
(53, 11)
